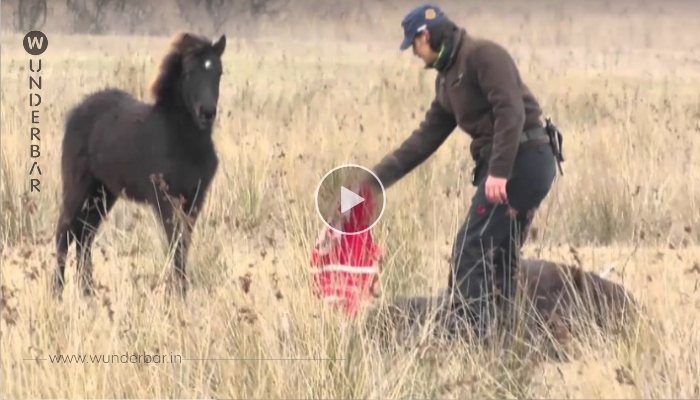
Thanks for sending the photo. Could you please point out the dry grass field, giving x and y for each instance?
(291, 110)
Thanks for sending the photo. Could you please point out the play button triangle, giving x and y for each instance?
(348, 199)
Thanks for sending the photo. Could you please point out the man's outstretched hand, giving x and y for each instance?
(495, 189)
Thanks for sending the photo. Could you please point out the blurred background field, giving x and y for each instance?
(315, 85)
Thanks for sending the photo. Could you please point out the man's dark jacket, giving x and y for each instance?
(481, 92)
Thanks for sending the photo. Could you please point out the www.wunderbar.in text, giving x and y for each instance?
(126, 358)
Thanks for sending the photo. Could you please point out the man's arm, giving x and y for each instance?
(437, 125)
(500, 80)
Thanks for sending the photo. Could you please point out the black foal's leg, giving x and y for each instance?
(75, 194)
(100, 203)
(178, 227)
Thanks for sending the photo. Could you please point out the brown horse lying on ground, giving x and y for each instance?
(561, 297)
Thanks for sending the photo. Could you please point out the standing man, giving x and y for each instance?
(478, 88)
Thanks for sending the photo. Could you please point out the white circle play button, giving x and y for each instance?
(334, 190)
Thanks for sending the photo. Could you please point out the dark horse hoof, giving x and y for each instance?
(88, 291)
(177, 286)
(57, 292)
(57, 288)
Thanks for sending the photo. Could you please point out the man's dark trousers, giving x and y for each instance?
(487, 247)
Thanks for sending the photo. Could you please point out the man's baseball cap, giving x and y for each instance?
(418, 20)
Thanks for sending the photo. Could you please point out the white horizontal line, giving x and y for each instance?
(345, 268)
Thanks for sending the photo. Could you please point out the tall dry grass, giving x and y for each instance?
(289, 112)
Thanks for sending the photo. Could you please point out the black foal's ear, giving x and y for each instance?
(220, 45)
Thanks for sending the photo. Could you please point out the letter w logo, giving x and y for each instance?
(37, 42)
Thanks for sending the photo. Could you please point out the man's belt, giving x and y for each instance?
(537, 133)
(548, 133)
